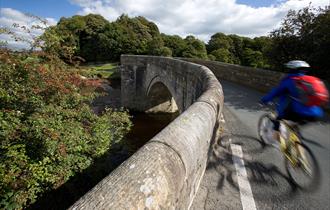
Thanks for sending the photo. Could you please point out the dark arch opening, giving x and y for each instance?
(161, 99)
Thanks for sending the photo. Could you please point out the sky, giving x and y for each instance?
(201, 18)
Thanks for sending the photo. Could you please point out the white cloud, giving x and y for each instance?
(10, 16)
(201, 18)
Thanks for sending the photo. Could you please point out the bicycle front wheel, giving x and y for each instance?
(302, 167)
(265, 128)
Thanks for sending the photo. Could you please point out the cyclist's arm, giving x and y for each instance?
(276, 92)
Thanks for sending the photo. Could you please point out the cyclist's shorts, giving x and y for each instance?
(292, 116)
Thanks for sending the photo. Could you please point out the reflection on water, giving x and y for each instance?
(146, 126)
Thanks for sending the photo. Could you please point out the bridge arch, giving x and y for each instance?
(160, 98)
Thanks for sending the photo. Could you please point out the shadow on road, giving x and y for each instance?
(269, 177)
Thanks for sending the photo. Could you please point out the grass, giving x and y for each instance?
(104, 67)
(104, 70)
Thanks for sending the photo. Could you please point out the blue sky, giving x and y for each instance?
(43, 8)
(201, 18)
(257, 3)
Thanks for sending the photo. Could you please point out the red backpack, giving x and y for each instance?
(311, 90)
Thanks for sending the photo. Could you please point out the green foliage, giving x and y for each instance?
(138, 36)
(194, 48)
(222, 55)
(165, 51)
(239, 50)
(47, 131)
(93, 38)
(156, 47)
(252, 58)
(175, 43)
(303, 35)
(77, 36)
(219, 40)
(211, 57)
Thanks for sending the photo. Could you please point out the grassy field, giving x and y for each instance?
(104, 71)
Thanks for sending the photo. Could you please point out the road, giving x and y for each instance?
(267, 185)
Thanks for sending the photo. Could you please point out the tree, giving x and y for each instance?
(303, 35)
(219, 40)
(222, 55)
(76, 36)
(252, 58)
(156, 47)
(194, 48)
(222, 48)
(319, 40)
(136, 36)
(175, 43)
(95, 39)
(237, 49)
(90, 39)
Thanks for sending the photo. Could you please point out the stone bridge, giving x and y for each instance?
(166, 172)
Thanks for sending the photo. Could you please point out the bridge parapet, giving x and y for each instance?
(165, 173)
(259, 79)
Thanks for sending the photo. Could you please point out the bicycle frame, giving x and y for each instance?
(291, 140)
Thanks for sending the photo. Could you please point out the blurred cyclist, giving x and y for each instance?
(300, 96)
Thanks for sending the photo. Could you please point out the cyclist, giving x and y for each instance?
(289, 107)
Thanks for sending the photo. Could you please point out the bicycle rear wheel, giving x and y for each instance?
(302, 168)
(265, 128)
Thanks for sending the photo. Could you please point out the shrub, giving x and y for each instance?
(47, 131)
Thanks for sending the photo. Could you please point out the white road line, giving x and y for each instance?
(242, 179)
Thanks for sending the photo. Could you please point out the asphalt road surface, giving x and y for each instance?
(244, 174)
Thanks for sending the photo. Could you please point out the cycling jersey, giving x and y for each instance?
(287, 93)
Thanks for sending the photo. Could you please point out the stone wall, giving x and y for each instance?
(166, 172)
(259, 79)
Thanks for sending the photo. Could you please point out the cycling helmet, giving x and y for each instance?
(296, 64)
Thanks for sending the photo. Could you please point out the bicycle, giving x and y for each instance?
(298, 158)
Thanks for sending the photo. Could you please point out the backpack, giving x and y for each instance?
(311, 90)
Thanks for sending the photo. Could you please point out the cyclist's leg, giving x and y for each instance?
(301, 120)
(288, 114)
(283, 109)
